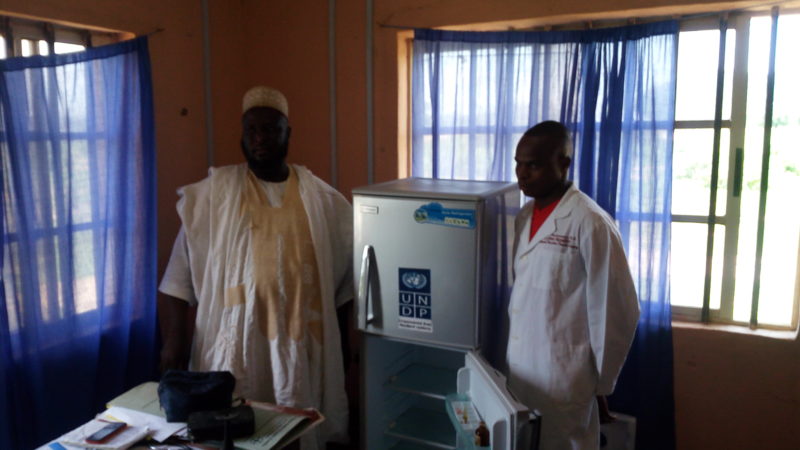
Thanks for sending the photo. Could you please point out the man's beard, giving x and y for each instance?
(274, 159)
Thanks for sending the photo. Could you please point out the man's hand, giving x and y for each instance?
(173, 356)
(173, 314)
(605, 414)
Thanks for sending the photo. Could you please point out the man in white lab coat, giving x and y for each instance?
(573, 308)
(265, 254)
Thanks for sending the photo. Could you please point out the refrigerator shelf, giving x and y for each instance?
(425, 380)
(424, 426)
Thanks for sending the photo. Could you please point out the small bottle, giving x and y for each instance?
(482, 435)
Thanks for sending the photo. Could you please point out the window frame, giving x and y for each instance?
(736, 124)
(36, 32)
(41, 30)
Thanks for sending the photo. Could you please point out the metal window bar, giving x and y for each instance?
(50, 38)
(86, 36)
(436, 88)
(762, 204)
(8, 33)
(712, 206)
(473, 101)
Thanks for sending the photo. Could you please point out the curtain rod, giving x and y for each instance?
(156, 31)
(29, 21)
(591, 24)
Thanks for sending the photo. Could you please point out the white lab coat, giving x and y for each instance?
(573, 313)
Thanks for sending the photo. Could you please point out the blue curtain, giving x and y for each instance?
(77, 301)
(475, 93)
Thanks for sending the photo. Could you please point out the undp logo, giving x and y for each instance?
(415, 280)
(414, 298)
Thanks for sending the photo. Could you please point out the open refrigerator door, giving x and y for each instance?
(415, 397)
(483, 396)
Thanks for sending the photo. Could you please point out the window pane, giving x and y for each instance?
(697, 74)
(85, 284)
(80, 186)
(782, 231)
(63, 47)
(688, 264)
(425, 161)
(43, 48)
(758, 58)
(3, 48)
(51, 299)
(12, 282)
(483, 151)
(782, 221)
(691, 171)
(27, 47)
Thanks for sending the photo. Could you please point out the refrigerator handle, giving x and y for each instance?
(364, 285)
(528, 431)
(535, 429)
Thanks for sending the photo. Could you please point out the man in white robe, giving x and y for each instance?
(265, 254)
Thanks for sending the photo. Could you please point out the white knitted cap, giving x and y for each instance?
(263, 96)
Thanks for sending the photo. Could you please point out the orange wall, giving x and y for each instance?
(736, 390)
(229, 73)
(284, 44)
(732, 390)
(288, 48)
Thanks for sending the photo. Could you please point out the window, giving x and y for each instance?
(77, 158)
(21, 37)
(732, 282)
(84, 140)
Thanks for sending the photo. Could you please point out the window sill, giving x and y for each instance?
(786, 335)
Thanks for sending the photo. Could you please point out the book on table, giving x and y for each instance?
(275, 426)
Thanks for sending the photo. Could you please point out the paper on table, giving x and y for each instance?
(124, 439)
(276, 424)
(159, 428)
(143, 397)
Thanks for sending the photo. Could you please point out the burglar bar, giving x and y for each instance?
(712, 204)
(762, 204)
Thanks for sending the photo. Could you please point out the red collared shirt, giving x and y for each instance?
(539, 215)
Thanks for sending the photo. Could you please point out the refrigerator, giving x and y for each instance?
(432, 261)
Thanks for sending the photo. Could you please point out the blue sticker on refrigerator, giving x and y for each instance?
(436, 214)
(415, 302)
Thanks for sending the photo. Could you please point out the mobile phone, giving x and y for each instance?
(107, 432)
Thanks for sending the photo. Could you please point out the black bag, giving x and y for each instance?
(181, 392)
(210, 425)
